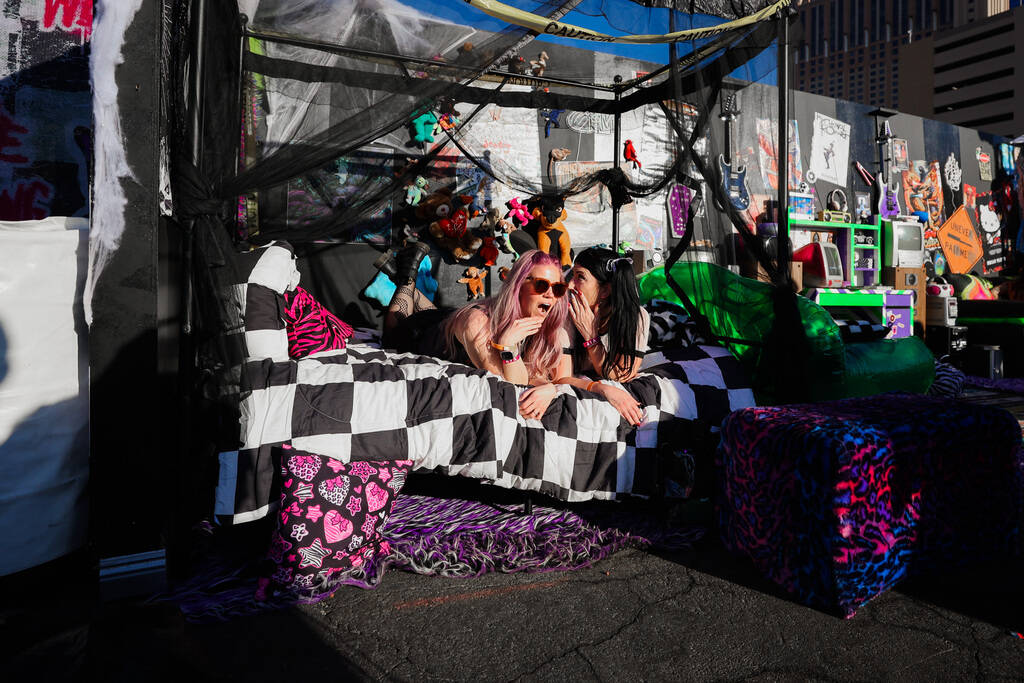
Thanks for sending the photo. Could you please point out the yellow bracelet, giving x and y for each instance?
(502, 348)
(590, 386)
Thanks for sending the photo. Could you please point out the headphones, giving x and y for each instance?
(836, 200)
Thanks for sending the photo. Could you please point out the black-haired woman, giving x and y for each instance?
(611, 327)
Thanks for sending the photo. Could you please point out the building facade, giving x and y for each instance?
(909, 54)
(971, 76)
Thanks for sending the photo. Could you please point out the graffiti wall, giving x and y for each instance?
(45, 108)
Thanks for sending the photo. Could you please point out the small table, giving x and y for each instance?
(895, 306)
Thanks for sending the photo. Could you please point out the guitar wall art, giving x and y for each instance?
(731, 174)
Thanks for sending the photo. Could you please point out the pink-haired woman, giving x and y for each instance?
(519, 335)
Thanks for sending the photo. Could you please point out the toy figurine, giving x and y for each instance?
(629, 152)
(537, 66)
(414, 191)
(503, 273)
(474, 281)
(517, 210)
(551, 119)
(494, 224)
(516, 65)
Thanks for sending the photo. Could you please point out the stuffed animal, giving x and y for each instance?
(503, 273)
(517, 210)
(537, 66)
(414, 191)
(494, 224)
(488, 251)
(448, 221)
(423, 127)
(473, 278)
(629, 152)
(551, 214)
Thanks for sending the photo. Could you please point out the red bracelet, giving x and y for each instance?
(590, 342)
(513, 360)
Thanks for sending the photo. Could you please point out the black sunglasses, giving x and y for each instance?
(540, 285)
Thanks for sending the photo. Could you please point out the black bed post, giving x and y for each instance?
(783, 255)
(615, 159)
(197, 68)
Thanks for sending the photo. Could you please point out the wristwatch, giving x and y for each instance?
(508, 356)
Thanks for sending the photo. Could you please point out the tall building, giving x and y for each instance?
(858, 50)
(972, 76)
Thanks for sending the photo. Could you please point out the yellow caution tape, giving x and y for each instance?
(543, 25)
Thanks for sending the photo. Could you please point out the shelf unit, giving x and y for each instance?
(859, 245)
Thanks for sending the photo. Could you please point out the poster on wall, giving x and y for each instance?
(830, 149)
(900, 155)
(984, 165)
(922, 192)
(767, 134)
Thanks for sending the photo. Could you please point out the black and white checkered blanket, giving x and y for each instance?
(363, 403)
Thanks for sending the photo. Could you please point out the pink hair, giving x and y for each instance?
(541, 352)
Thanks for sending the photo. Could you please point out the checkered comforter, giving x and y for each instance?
(363, 403)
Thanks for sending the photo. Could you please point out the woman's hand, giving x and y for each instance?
(535, 401)
(582, 315)
(519, 330)
(628, 407)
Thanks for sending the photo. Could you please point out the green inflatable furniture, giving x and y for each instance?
(741, 309)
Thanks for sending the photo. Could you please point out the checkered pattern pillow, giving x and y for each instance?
(861, 330)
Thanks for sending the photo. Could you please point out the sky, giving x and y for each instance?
(761, 69)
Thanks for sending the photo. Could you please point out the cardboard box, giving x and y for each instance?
(796, 271)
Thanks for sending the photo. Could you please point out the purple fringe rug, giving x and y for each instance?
(451, 538)
(1010, 385)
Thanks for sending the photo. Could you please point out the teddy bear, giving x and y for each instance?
(448, 223)
(551, 230)
(473, 278)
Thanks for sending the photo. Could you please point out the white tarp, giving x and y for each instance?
(44, 391)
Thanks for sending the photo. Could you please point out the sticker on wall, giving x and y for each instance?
(900, 155)
(952, 172)
(830, 149)
(960, 242)
(984, 165)
(992, 240)
(971, 201)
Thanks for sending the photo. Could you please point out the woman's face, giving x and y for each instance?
(592, 291)
(530, 301)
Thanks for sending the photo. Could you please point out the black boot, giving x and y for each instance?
(407, 263)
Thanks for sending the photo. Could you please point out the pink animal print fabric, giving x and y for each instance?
(311, 327)
(329, 521)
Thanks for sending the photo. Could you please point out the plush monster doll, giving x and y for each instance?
(551, 231)
(423, 127)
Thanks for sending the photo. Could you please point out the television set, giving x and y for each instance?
(903, 244)
(823, 266)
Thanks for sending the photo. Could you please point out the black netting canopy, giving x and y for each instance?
(321, 121)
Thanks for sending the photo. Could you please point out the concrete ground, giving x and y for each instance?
(695, 616)
(699, 615)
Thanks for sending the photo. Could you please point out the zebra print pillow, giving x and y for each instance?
(311, 327)
(671, 327)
